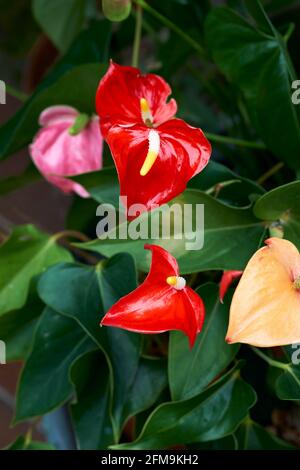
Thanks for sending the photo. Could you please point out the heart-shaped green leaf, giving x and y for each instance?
(260, 66)
(27, 253)
(252, 436)
(282, 205)
(210, 354)
(85, 294)
(230, 235)
(210, 415)
(45, 383)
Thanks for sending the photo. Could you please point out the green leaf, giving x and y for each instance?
(282, 204)
(91, 412)
(17, 328)
(231, 235)
(103, 185)
(287, 377)
(252, 436)
(25, 443)
(211, 415)
(85, 294)
(288, 383)
(44, 383)
(27, 253)
(90, 374)
(209, 356)
(150, 381)
(61, 21)
(259, 65)
(227, 185)
(76, 87)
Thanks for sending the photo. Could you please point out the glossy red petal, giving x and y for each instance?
(226, 281)
(155, 307)
(184, 152)
(119, 93)
(163, 265)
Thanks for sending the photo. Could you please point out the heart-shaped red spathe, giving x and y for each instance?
(181, 151)
(156, 306)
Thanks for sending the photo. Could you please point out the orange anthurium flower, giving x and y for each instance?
(265, 309)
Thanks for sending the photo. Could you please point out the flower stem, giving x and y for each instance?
(72, 234)
(16, 93)
(270, 172)
(137, 36)
(269, 360)
(171, 26)
(238, 142)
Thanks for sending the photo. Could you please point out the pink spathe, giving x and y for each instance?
(57, 154)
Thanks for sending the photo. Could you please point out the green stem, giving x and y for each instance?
(290, 30)
(171, 26)
(238, 142)
(16, 93)
(137, 36)
(269, 360)
(270, 172)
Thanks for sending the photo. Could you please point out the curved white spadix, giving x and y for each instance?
(153, 151)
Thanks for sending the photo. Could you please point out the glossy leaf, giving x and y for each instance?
(282, 204)
(91, 412)
(252, 436)
(17, 327)
(210, 415)
(259, 65)
(226, 185)
(210, 354)
(27, 253)
(288, 383)
(85, 294)
(61, 21)
(45, 383)
(150, 381)
(103, 185)
(231, 236)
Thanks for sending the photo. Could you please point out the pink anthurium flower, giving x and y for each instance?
(163, 302)
(68, 144)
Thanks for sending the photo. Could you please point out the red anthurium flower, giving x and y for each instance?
(155, 154)
(226, 281)
(162, 303)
